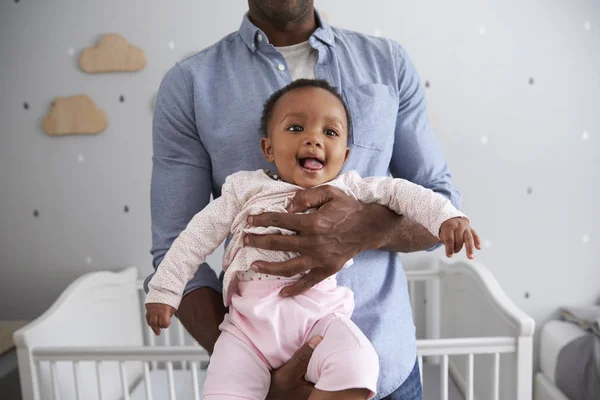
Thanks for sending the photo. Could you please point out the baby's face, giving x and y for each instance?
(308, 136)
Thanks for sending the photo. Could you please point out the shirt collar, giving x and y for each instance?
(249, 32)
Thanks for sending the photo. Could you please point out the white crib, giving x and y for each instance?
(93, 344)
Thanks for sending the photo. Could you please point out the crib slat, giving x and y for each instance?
(181, 341)
(76, 377)
(124, 384)
(147, 382)
(496, 377)
(98, 380)
(421, 369)
(444, 378)
(152, 343)
(195, 366)
(167, 334)
(53, 384)
(470, 382)
(37, 377)
(171, 380)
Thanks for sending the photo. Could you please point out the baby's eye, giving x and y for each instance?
(295, 128)
(331, 132)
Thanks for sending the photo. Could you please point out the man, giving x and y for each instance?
(206, 127)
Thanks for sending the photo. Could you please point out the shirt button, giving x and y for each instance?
(281, 67)
(260, 38)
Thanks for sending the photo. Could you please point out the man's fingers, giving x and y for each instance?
(301, 285)
(287, 268)
(275, 242)
(311, 198)
(469, 244)
(292, 222)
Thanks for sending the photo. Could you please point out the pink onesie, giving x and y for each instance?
(262, 329)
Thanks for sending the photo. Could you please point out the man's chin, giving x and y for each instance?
(284, 11)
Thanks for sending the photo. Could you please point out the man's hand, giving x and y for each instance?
(287, 382)
(341, 228)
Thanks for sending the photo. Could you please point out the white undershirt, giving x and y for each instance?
(301, 59)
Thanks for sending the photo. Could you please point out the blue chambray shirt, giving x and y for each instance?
(206, 127)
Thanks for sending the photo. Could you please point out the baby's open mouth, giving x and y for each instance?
(311, 164)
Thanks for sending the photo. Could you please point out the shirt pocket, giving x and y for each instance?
(373, 109)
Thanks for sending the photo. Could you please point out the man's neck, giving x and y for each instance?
(288, 33)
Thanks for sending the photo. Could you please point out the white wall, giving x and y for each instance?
(530, 181)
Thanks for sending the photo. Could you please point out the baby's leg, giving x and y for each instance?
(345, 364)
(236, 371)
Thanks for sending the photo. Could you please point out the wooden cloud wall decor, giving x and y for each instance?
(112, 54)
(74, 115)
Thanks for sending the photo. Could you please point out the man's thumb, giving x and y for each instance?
(314, 342)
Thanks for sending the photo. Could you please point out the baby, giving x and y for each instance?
(306, 127)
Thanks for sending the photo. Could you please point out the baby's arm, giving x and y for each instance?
(204, 233)
(422, 205)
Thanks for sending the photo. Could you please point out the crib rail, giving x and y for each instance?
(194, 355)
(159, 353)
(470, 347)
(465, 348)
(147, 355)
(437, 348)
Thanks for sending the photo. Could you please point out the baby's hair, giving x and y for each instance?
(297, 84)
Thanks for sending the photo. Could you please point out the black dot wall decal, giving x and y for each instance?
(26, 106)
(36, 213)
(122, 99)
(526, 295)
(427, 84)
(126, 209)
(531, 81)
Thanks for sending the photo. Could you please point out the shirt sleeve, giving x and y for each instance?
(205, 232)
(411, 200)
(417, 155)
(181, 173)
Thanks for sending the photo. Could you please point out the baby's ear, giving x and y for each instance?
(267, 149)
(347, 154)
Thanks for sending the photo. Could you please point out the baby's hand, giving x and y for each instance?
(159, 316)
(455, 232)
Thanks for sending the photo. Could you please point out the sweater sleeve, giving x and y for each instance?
(200, 238)
(406, 198)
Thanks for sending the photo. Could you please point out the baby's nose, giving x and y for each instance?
(313, 140)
